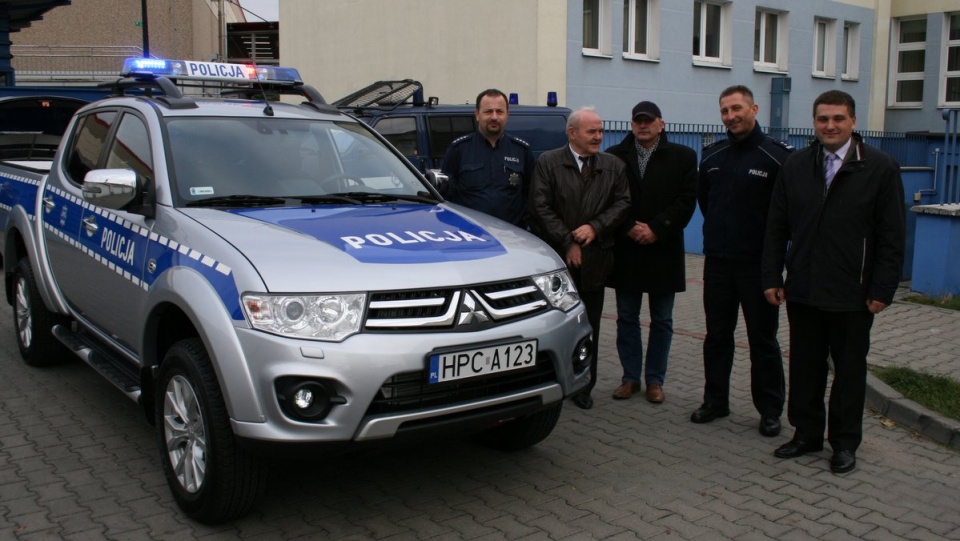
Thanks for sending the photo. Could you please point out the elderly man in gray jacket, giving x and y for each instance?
(578, 198)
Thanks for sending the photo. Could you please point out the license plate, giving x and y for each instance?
(483, 361)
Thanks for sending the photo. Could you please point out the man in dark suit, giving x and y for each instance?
(649, 250)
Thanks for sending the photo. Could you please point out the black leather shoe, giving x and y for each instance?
(795, 448)
(770, 426)
(709, 412)
(583, 401)
(843, 461)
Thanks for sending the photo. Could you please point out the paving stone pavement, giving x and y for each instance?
(78, 462)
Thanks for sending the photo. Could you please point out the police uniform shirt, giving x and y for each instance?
(493, 180)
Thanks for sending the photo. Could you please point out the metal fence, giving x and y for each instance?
(40, 63)
(947, 188)
(909, 150)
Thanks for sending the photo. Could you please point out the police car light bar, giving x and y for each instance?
(208, 71)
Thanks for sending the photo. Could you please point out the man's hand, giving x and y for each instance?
(642, 234)
(775, 296)
(584, 235)
(875, 307)
(574, 256)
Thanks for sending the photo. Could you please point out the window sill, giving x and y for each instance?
(640, 58)
(706, 64)
(905, 106)
(592, 53)
(823, 76)
(773, 70)
(853, 79)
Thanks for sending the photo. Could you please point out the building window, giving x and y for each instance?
(641, 29)
(770, 41)
(851, 51)
(908, 57)
(825, 48)
(711, 33)
(596, 27)
(950, 62)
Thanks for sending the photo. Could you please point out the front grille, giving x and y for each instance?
(410, 390)
(469, 308)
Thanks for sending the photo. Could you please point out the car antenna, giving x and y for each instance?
(268, 110)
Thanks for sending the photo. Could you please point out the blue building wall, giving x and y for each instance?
(688, 93)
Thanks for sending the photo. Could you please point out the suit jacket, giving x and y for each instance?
(560, 201)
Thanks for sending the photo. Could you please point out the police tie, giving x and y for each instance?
(585, 169)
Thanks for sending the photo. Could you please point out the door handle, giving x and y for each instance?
(90, 224)
(48, 204)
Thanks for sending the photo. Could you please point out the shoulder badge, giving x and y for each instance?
(461, 139)
(521, 141)
(783, 144)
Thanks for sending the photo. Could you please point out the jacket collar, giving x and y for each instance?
(753, 139)
(854, 154)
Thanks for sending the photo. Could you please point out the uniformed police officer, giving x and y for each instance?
(736, 181)
(490, 170)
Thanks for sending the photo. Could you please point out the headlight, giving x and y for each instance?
(559, 289)
(314, 317)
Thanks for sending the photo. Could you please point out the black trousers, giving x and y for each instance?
(816, 334)
(728, 287)
(593, 303)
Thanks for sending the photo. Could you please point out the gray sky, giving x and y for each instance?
(268, 9)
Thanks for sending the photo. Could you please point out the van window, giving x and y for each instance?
(543, 132)
(443, 130)
(402, 134)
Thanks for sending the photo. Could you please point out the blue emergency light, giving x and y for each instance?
(208, 71)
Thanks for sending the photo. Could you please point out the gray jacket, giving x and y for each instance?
(561, 202)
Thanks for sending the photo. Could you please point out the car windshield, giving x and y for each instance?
(218, 159)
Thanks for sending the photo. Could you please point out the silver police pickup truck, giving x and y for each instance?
(263, 276)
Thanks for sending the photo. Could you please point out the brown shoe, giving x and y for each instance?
(626, 390)
(655, 393)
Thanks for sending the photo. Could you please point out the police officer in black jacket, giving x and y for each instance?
(490, 170)
(736, 180)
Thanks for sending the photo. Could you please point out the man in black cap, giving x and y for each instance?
(649, 251)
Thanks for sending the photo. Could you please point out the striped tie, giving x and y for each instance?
(831, 164)
(585, 169)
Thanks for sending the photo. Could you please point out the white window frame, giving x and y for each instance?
(761, 32)
(653, 31)
(825, 50)
(944, 57)
(850, 56)
(605, 23)
(725, 35)
(895, 75)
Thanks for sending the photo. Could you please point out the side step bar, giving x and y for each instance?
(116, 370)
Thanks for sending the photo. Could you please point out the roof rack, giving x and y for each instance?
(383, 94)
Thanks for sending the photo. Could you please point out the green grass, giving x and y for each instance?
(947, 301)
(938, 393)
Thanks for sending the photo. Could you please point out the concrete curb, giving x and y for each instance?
(892, 405)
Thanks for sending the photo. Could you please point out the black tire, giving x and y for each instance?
(33, 322)
(523, 432)
(212, 478)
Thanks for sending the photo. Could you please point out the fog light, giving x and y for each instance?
(305, 399)
(583, 354)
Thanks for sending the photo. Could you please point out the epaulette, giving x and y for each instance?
(461, 139)
(782, 144)
(521, 141)
(715, 143)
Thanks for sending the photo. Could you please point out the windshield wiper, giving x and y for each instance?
(237, 201)
(373, 197)
(332, 198)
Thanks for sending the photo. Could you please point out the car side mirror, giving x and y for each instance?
(438, 180)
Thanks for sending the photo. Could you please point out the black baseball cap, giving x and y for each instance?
(647, 109)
